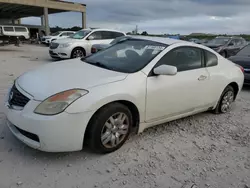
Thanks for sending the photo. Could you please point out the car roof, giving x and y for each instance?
(163, 40)
(99, 29)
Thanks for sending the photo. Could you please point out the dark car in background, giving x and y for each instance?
(242, 58)
(227, 46)
(98, 47)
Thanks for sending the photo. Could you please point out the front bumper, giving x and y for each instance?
(59, 133)
(62, 53)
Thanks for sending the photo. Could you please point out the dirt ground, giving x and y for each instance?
(206, 149)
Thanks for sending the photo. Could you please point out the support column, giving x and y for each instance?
(84, 20)
(46, 20)
(42, 21)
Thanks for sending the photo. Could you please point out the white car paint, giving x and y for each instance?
(158, 99)
(60, 35)
(14, 31)
(65, 52)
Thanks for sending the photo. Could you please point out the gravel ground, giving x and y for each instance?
(206, 149)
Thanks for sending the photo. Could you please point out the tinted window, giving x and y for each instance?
(70, 33)
(184, 58)
(127, 56)
(117, 34)
(97, 35)
(211, 59)
(233, 41)
(64, 34)
(20, 29)
(8, 29)
(219, 41)
(80, 34)
(107, 35)
(245, 51)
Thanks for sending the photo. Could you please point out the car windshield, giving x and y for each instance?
(126, 56)
(56, 33)
(221, 41)
(80, 34)
(245, 51)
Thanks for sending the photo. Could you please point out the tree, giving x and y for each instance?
(144, 33)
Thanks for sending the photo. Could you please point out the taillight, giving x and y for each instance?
(93, 50)
(241, 68)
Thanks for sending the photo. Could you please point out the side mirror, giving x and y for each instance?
(91, 37)
(230, 44)
(165, 70)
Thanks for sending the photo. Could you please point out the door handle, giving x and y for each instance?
(202, 77)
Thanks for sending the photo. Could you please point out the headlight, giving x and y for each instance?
(64, 45)
(59, 102)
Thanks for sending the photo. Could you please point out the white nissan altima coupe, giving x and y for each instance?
(138, 83)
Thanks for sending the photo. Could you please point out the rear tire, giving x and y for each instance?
(109, 128)
(226, 100)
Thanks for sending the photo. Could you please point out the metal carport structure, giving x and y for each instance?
(16, 9)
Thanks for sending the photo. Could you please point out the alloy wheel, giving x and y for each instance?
(78, 53)
(227, 100)
(115, 130)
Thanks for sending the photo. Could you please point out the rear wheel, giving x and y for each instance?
(78, 52)
(226, 100)
(109, 128)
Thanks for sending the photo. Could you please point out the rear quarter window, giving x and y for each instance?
(210, 59)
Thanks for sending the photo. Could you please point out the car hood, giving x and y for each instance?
(47, 37)
(66, 40)
(213, 45)
(243, 61)
(56, 77)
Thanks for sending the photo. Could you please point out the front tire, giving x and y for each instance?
(226, 100)
(109, 128)
(223, 54)
(77, 52)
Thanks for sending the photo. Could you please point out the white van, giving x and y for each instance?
(14, 31)
(79, 44)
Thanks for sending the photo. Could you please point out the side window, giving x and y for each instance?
(96, 35)
(8, 29)
(233, 42)
(20, 29)
(70, 33)
(64, 34)
(184, 58)
(210, 59)
(107, 35)
(117, 34)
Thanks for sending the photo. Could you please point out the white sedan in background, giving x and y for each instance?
(100, 99)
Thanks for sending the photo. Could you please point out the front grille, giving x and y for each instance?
(53, 45)
(16, 98)
(28, 134)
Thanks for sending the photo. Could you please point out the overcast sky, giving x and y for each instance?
(160, 16)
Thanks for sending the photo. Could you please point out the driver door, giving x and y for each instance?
(173, 95)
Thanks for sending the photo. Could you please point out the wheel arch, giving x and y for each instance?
(78, 47)
(235, 86)
(130, 105)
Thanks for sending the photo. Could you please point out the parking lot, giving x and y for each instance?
(206, 149)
